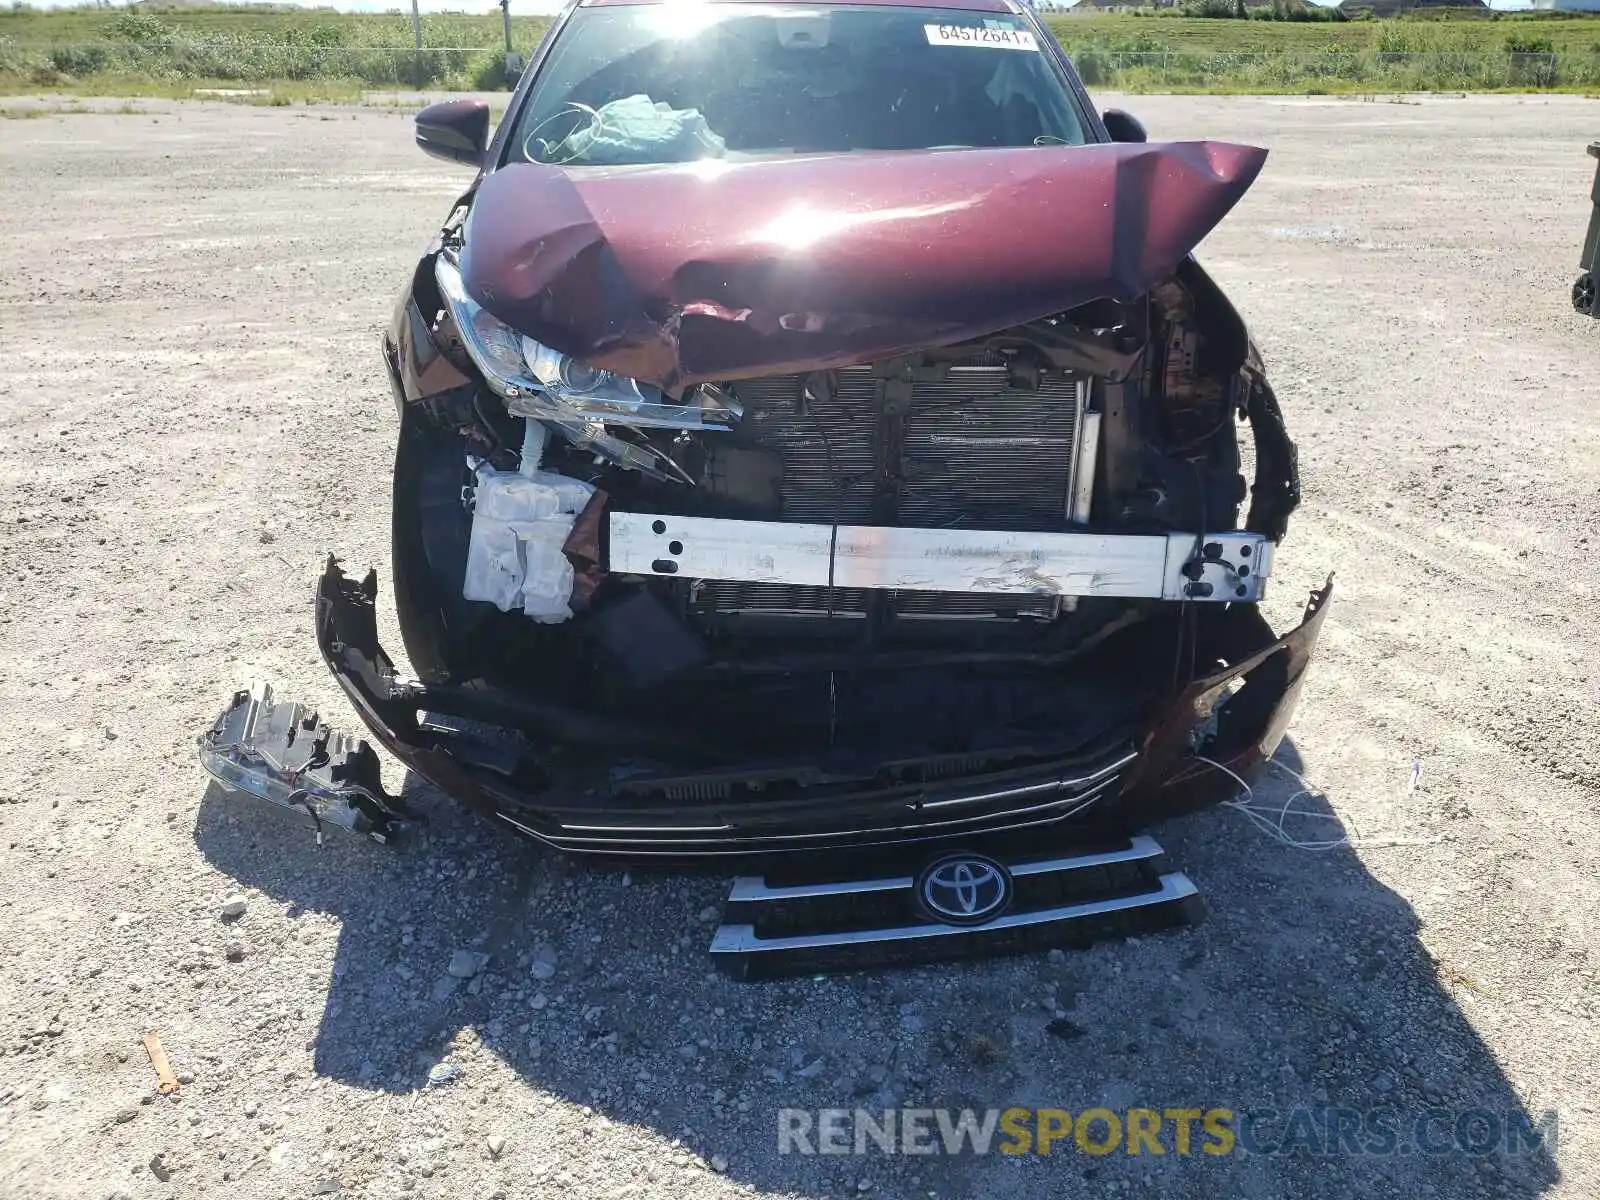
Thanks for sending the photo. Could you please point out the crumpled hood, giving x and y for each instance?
(722, 270)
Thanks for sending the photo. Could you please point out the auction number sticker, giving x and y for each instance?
(994, 37)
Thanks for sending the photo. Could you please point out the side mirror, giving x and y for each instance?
(1124, 126)
(454, 130)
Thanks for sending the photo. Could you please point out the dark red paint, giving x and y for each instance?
(1168, 779)
(726, 269)
(995, 6)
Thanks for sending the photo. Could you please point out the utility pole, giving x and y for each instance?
(513, 59)
(416, 35)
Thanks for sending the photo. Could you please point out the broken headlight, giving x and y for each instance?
(547, 385)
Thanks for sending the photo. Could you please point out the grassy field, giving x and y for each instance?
(309, 25)
(304, 53)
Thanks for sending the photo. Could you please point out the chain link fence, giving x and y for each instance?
(248, 60)
(1334, 69)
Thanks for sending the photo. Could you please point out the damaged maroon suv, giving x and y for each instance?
(818, 447)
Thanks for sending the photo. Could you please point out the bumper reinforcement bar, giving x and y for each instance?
(1226, 566)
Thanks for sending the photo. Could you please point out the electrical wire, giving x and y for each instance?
(1272, 820)
(1183, 447)
(807, 402)
(303, 798)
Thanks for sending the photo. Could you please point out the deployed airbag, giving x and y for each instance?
(636, 130)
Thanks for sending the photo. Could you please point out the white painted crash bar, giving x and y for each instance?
(1225, 566)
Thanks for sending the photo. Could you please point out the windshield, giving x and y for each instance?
(665, 83)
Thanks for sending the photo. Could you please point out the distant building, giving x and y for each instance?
(1565, 5)
(1387, 8)
(1102, 6)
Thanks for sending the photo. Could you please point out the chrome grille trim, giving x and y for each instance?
(1034, 788)
(902, 816)
(1077, 801)
(1139, 848)
(647, 828)
(750, 888)
(741, 939)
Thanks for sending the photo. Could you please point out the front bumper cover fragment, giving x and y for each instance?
(1236, 716)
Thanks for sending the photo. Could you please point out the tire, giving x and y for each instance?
(1583, 294)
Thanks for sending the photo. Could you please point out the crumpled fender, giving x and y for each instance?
(1172, 774)
(722, 269)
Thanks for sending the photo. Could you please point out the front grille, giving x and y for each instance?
(718, 817)
(781, 925)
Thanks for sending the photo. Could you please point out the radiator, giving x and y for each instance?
(976, 453)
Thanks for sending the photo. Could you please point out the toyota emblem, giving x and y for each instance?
(964, 889)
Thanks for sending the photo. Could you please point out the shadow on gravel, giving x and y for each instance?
(1306, 992)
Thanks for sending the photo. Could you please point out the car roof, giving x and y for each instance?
(995, 6)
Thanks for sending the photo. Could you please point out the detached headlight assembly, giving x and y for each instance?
(547, 385)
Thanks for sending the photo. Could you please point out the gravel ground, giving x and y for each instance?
(195, 414)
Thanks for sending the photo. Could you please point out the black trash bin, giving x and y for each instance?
(1583, 290)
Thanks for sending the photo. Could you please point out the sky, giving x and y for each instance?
(526, 7)
(523, 7)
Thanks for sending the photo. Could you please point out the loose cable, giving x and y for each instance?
(1272, 820)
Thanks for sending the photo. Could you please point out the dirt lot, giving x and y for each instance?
(195, 414)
